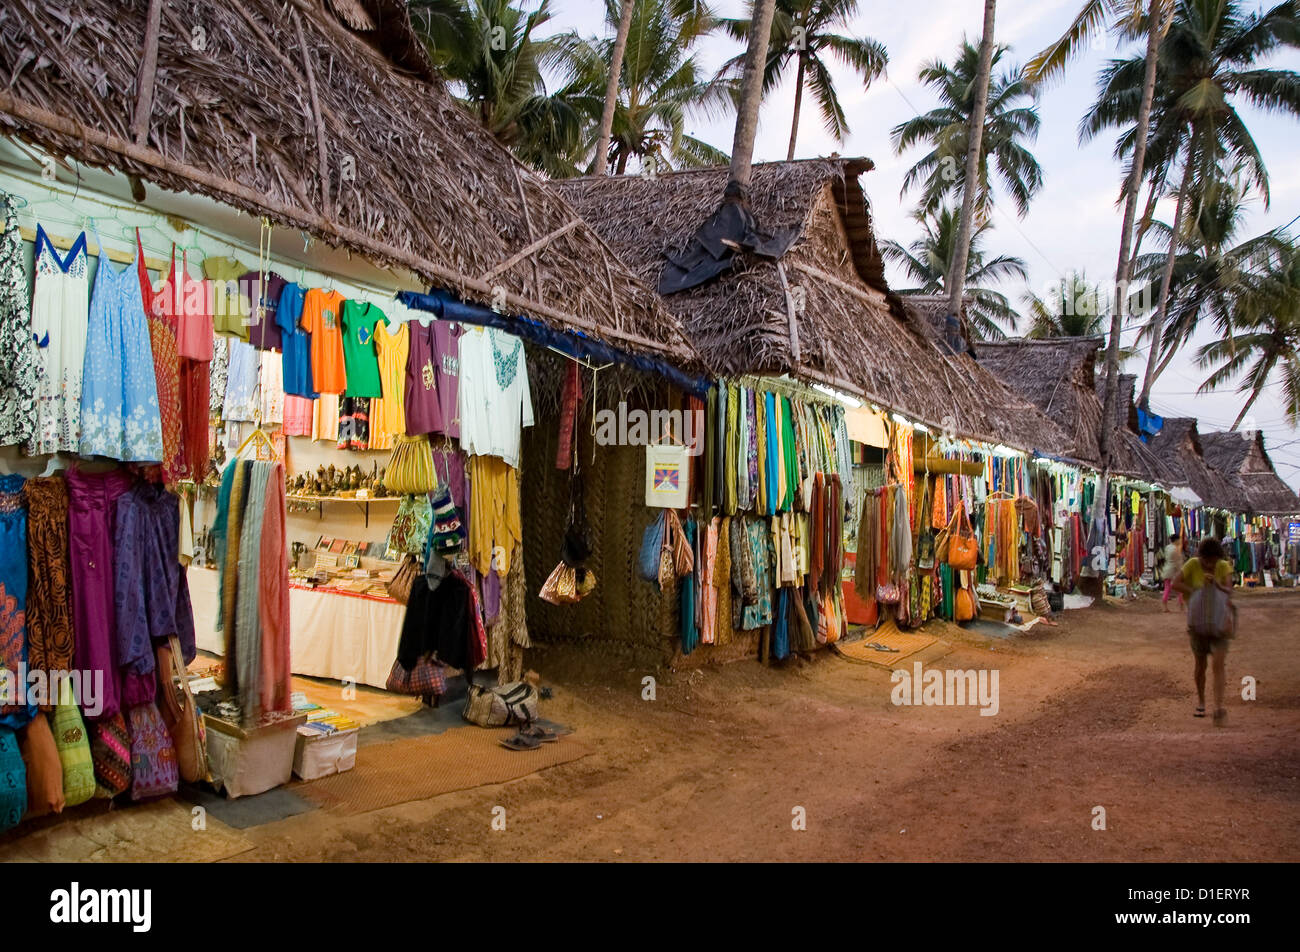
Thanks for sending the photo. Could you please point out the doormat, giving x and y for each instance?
(888, 635)
(257, 810)
(424, 767)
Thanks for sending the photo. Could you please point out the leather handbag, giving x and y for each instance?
(44, 772)
(964, 605)
(963, 550)
(502, 705)
(399, 586)
(180, 714)
(428, 677)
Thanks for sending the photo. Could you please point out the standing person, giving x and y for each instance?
(1173, 568)
(1209, 569)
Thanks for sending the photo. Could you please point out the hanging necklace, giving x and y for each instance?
(506, 365)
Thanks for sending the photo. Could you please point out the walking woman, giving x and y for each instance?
(1173, 568)
(1206, 580)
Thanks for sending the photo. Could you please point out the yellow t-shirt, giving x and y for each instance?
(1194, 573)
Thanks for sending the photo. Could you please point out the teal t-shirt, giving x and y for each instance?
(360, 356)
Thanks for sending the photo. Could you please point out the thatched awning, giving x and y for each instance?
(1179, 446)
(278, 108)
(823, 313)
(1244, 461)
(1057, 375)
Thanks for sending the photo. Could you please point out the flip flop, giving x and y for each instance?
(1200, 712)
(539, 733)
(520, 741)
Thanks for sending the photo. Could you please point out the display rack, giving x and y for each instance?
(362, 504)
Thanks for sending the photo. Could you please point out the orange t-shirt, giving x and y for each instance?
(321, 313)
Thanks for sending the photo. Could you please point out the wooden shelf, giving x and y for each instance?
(362, 504)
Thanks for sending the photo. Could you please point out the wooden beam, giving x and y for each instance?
(323, 227)
(535, 247)
(322, 155)
(528, 224)
(146, 78)
(791, 316)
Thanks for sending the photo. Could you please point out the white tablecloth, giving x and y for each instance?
(330, 635)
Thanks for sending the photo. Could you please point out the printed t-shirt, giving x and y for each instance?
(360, 357)
(229, 307)
(321, 311)
(446, 365)
(423, 414)
(263, 330)
(295, 343)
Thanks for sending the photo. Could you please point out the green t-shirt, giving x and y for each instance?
(230, 313)
(360, 357)
(1194, 573)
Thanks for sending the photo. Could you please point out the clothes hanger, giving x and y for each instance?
(259, 436)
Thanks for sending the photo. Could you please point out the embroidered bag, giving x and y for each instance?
(73, 743)
(153, 757)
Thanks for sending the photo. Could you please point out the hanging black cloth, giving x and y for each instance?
(438, 621)
(712, 249)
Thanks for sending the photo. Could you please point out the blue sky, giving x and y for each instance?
(1073, 223)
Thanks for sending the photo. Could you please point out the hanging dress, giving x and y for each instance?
(20, 364)
(60, 308)
(119, 392)
(163, 314)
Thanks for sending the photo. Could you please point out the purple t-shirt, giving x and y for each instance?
(446, 366)
(423, 409)
(263, 333)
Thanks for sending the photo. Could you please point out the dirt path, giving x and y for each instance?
(1096, 713)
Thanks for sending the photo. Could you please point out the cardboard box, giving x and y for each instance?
(249, 761)
(320, 755)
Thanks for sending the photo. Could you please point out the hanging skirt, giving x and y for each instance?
(49, 601)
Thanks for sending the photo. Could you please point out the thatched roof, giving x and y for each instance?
(1129, 455)
(1057, 375)
(1179, 446)
(1244, 461)
(323, 115)
(930, 313)
(823, 313)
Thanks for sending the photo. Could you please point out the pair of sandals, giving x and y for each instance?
(530, 737)
(877, 646)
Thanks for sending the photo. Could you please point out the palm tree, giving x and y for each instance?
(1210, 276)
(1072, 308)
(927, 262)
(611, 88)
(974, 154)
(1266, 339)
(1207, 69)
(1011, 121)
(662, 85)
(495, 63)
(1095, 17)
(806, 32)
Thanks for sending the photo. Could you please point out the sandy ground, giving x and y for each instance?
(1095, 713)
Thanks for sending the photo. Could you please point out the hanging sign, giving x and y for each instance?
(667, 476)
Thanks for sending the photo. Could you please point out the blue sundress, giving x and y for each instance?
(119, 390)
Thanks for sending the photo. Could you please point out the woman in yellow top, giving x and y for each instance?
(1207, 567)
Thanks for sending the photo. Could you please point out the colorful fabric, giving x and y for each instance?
(13, 599)
(154, 772)
(50, 642)
(110, 754)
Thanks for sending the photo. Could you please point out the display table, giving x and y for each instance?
(331, 634)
